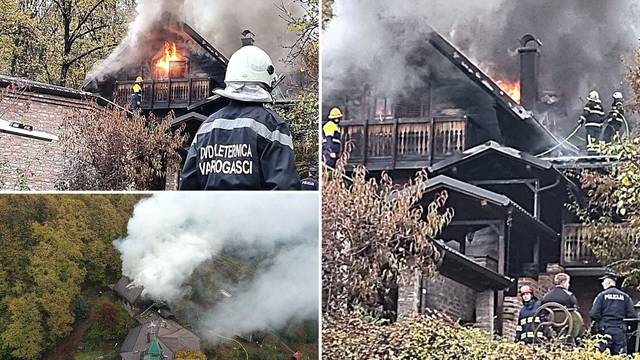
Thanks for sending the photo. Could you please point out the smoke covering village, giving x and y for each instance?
(172, 238)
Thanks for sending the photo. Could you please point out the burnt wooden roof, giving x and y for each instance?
(518, 124)
(128, 290)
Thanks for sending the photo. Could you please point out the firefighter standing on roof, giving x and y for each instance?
(616, 118)
(244, 146)
(609, 310)
(592, 117)
(136, 97)
(332, 138)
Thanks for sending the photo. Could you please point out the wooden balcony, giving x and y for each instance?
(165, 94)
(574, 249)
(404, 143)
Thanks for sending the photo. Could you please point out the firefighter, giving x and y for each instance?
(332, 137)
(609, 309)
(560, 293)
(244, 145)
(311, 181)
(527, 319)
(616, 118)
(136, 97)
(592, 118)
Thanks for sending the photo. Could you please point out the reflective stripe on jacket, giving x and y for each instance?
(244, 146)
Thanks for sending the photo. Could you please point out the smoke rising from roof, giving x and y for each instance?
(172, 239)
(371, 41)
(218, 21)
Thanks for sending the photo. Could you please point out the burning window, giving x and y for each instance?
(170, 64)
(384, 107)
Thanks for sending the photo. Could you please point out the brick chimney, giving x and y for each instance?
(247, 38)
(529, 58)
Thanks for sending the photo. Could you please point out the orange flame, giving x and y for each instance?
(170, 54)
(512, 89)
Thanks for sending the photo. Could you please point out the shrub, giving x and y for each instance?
(432, 337)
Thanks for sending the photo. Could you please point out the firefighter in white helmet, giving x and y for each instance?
(244, 145)
(592, 117)
(615, 118)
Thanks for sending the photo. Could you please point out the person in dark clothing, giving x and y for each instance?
(527, 319)
(609, 309)
(616, 118)
(332, 138)
(243, 146)
(560, 293)
(592, 117)
(310, 183)
(136, 97)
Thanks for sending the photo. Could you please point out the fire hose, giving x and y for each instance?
(238, 342)
(562, 142)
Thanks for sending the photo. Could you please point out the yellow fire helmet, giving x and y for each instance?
(335, 113)
(139, 79)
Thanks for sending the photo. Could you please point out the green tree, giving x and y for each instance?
(24, 335)
(57, 276)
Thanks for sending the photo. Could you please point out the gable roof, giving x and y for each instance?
(490, 147)
(522, 219)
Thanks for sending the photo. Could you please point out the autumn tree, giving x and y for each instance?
(303, 56)
(47, 260)
(58, 41)
(109, 149)
(24, 335)
(190, 355)
(373, 235)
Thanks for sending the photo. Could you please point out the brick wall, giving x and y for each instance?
(41, 160)
(452, 298)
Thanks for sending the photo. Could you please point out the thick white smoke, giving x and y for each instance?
(376, 42)
(171, 234)
(218, 21)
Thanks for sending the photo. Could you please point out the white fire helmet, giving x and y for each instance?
(617, 95)
(251, 64)
(593, 96)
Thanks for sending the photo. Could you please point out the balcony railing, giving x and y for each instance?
(404, 143)
(574, 248)
(165, 94)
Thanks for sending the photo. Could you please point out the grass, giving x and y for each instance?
(88, 355)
